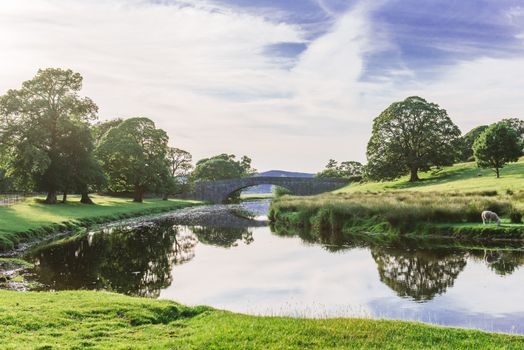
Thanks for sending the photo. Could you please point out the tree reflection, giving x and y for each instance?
(135, 261)
(419, 274)
(223, 236)
(502, 262)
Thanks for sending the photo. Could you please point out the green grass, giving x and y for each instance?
(447, 202)
(395, 212)
(98, 320)
(29, 219)
(458, 178)
(256, 196)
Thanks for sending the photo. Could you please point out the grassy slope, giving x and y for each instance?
(31, 214)
(97, 320)
(461, 177)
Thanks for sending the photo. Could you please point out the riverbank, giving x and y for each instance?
(408, 213)
(109, 321)
(31, 219)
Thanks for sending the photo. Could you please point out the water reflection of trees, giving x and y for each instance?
(419, 274)
(502, 262)
(135, 261)
(223, 236)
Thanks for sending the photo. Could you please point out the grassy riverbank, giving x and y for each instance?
(446, 203)
(456, 214)
(80, 320)
(32, 219)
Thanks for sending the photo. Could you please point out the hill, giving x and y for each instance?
(283, 173)
(464, 177)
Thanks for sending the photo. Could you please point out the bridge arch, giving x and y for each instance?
(254, 186)
(218, 191)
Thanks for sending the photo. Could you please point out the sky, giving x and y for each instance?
(291, 83)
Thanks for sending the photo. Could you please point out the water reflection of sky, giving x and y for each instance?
(285, 276)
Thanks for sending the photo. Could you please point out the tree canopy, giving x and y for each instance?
(498, 145)
(347, 169)
(221, 167)
(134, 157)
(410, 136)
(37, 125)
(467, 141)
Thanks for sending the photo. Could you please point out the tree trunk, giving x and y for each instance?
(497, 170)
(85, 199)
(139, 195)
(414, 175)
(165, 197)
(64, 197)
(51, 197)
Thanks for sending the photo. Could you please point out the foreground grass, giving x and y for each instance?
(97, 320)
(458, 178)
(29, 219)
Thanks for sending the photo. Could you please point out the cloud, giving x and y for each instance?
(222, 78)
(200, 71)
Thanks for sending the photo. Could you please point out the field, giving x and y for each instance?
(98, 320)
(461, 177)
(31, 218)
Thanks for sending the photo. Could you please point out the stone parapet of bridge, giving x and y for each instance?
(218, 191)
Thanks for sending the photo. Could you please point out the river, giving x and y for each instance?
(207, 256)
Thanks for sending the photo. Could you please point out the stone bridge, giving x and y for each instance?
(218, 191)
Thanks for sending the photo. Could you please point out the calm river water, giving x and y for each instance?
(256, 271)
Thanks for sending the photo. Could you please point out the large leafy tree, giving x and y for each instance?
(133, 155)
(34, 121)
(496, 146)
(222, 166)
(82, 171)
(411, 136)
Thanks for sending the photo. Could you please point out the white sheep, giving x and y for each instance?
(489, 216)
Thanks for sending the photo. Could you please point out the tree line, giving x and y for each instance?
(51, 141)
(415, 135)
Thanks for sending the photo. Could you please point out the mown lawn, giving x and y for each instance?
(33, 215)
(458, 178)
(98, 320)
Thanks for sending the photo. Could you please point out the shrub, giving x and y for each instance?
(516, 217)
(281, 191)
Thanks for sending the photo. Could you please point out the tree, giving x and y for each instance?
(517, 125)
(347, 169)
(467, 141)
(34, 120)
(101, 128)
(497, 146)
(82, 170)
(133, 156)
(411, 136)
(179, 162)
(222, 166)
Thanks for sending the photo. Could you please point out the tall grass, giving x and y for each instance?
(399, 212)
